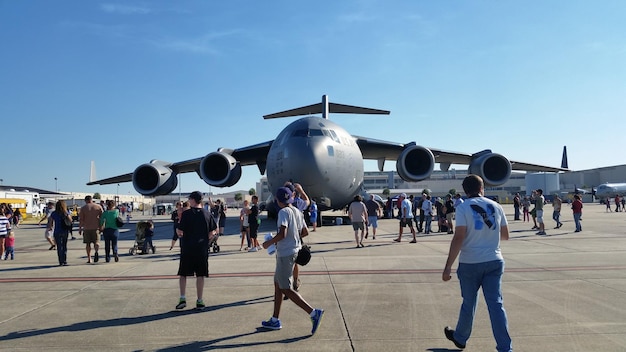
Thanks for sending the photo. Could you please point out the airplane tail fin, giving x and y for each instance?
(564, 158)
(92, 172)
(326, 108)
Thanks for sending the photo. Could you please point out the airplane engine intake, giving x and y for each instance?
(220, 169)
(494, 168)
(154, 179)
(415, 163)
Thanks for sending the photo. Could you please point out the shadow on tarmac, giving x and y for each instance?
(208, 345)
(97, 324)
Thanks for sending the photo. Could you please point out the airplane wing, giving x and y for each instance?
(250, 155)
(383, 150)
(111, 180)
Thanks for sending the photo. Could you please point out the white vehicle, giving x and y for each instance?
(31, 198)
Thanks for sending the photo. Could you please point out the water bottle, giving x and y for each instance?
(271, 249)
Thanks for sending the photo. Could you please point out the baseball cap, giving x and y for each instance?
(196, 195)
(284, 195)
(403, 195)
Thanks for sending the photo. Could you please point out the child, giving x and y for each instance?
(148, 233)
(10, 246)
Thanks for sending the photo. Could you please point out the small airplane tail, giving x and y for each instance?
(564, 158)
(326, 108)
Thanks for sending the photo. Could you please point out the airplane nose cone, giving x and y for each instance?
(306, 166)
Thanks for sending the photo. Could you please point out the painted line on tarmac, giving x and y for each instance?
(306, 273)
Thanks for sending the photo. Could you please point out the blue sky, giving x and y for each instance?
(121, 83)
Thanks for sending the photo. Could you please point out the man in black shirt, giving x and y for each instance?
(195, 229)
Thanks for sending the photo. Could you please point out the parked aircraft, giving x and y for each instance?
(610, 190)
(323, 157)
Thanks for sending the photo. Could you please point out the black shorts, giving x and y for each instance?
(254, 229)
(194, 261)
(406, 222)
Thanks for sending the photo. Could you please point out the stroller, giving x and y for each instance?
(213, 241)
(140, 238)
(213, 244)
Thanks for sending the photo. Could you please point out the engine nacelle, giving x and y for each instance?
(154, 179)
(415, 163)
(220, 169)
(494, 168)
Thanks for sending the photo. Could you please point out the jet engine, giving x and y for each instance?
(154, 179)
(494, 168)
(415, 163)
(220, 169)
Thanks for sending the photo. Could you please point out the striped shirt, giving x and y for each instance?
(4, 225)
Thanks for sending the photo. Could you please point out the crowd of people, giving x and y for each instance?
(196, 224)
(536, 200)
(423, 210)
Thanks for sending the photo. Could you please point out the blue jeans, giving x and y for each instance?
(147, 244)
(61, 240)
(110, 240)
(556, 216)
(487, 275)
(9, 251)
(577, 221)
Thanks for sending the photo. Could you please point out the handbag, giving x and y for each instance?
(67, 223)
(119, 221)
(304, 255)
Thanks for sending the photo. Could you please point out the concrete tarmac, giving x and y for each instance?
(563, 292)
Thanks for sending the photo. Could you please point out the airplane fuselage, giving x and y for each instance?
(610, 190)
(320, 155)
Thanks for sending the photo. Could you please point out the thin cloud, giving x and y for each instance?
(125, 9)
(202, 45)
(357, 17)
(115, 31)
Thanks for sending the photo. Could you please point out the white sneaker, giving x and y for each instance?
(253, 249)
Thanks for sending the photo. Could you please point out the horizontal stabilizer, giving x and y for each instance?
(332, 108)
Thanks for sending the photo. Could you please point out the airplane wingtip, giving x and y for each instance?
(92, 173)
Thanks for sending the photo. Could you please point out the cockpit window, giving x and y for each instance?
(307, 133)
(333, 135)
(301, 133)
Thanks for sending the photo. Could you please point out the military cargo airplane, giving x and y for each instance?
(323, 157)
